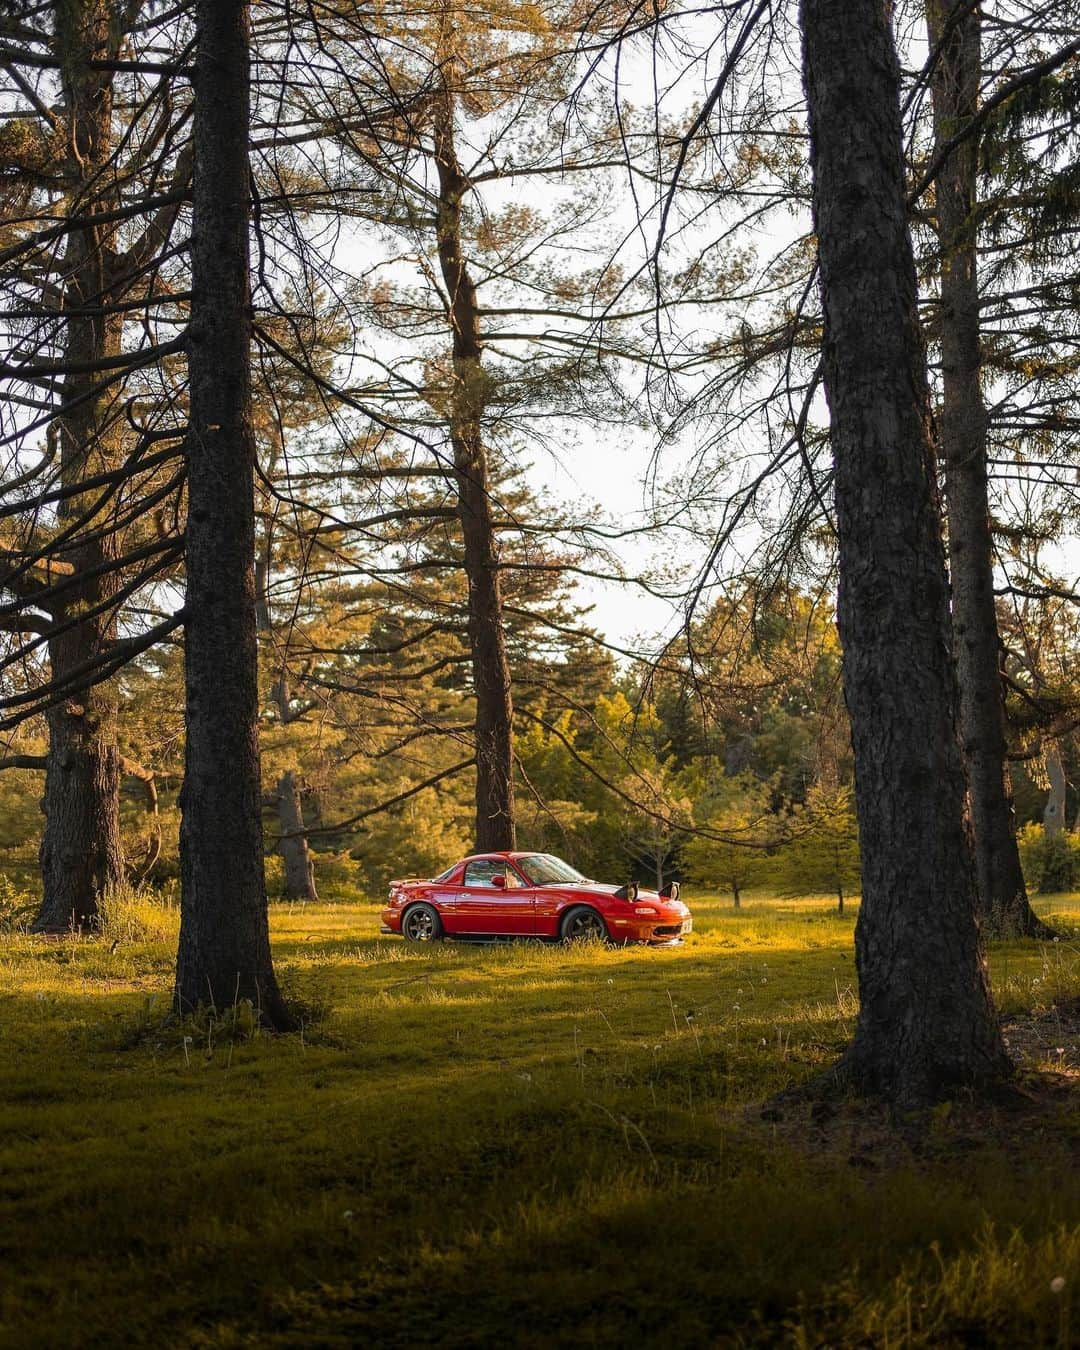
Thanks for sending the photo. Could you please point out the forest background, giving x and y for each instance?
(716, 751)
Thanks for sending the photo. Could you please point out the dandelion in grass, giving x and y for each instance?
(1057, 1284)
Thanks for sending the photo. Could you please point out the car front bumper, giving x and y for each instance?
(662, 931)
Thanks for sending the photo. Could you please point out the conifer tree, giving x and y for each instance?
(926, 1021)
(224, 952)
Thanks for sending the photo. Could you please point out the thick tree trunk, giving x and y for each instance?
(224, 952)
(495, 812)
(954, 31)
(299, 870)
(926, 1020)
(81, 852)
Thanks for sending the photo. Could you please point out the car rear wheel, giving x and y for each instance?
(582, 924)
(421, 923)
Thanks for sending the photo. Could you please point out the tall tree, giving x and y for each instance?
(955, 30)
(492, 338)
(81, 851)
(79, 268)
(926, 1020)
(495, 814)
(224, 953)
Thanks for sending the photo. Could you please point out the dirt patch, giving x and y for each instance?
(1048, 1040)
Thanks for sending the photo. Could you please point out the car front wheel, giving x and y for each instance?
(582, 924)
(421, 923)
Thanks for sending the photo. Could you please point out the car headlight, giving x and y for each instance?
(647, 910)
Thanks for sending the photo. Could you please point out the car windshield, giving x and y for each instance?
(544, 869)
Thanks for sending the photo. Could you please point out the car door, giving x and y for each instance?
(484, 906)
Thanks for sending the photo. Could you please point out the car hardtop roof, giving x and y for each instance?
(496, 853)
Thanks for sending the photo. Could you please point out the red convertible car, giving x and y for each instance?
(531, 895)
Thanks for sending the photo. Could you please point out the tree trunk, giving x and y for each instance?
(495, 814)
(81, 852)
(146, 777)
(954, 31)
(926, 1020)
(840, 900)
(224, 952)
(1054, 811)
(299, 870)
(736, 894)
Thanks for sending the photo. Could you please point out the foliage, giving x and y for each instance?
(420, 839)
(1051, 862)
(742, 827)
(17, 905)
(20, 810)
(138, 914)
(821, 852)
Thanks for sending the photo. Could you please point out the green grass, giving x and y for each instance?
(517, 1145)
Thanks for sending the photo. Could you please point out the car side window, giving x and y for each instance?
(481, 873)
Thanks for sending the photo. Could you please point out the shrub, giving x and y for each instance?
(274, 871)
(17, 906)
(137, 914)
(1051, 862)
(339, 873)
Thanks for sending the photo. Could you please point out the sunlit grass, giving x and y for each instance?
(510, 1143)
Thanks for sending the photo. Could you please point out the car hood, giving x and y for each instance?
(602, 888)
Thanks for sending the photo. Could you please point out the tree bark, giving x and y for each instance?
(299, 880)
(224, 953)
(926, 1020)
(299, 869)
(495, 811)
(954, 32)
(81, 852)
(146, 777)
(1054, 811)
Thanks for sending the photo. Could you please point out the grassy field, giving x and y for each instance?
(517, 1145)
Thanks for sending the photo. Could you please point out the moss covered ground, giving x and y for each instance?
(523, 1146)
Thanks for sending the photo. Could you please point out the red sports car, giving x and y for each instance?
(531, 895)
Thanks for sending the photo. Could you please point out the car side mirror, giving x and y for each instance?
(499, 883)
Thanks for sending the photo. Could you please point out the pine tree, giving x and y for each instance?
(821, 852)
(926, 1019)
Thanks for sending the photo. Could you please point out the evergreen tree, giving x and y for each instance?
(821, 852)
